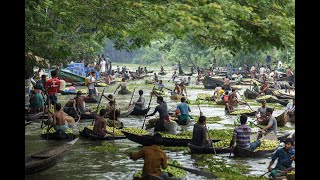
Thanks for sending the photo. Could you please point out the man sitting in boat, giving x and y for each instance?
(123, 86)
(217, 92)
(226, 83)
(285, 157)
(59, 119)
(255, 87)
(161, 69)
(174, 76)
(177, 89)
(154, 158)
(162, 108)
(241, 136)
(290, 109)
(114, 113)
(272, 124)
(100, 124)
(262, 111)
(232, 101)
(160, 85)
(155, 78)
(145, 70)
(200, 133)
(184, 109)
(264, 89)
(183, 88)
(140, 103)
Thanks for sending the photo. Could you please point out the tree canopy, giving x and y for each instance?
(61, 31)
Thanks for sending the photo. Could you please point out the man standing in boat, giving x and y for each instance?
(290, 109)
(162, 108)
(200, 133)
(92, 81)
(241, 136)
(52, 88)
(59, 119)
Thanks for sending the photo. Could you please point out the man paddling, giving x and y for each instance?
(162, 108)
(200, 133)
(154, 158)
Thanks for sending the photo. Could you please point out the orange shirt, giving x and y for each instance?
(154, 159)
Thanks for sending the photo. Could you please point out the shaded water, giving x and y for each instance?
(82, 163)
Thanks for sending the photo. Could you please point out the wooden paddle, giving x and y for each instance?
(148, 107)
(279, 165)
(245, 102)
(98, 105)
(132, 96)
(197, 172)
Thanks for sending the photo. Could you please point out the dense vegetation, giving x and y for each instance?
(230, 30)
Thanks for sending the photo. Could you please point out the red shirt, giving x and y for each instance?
(52, 85)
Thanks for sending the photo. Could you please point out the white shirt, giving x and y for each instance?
(290, 107)
(253, 68)
(62, 85)
(262, 70)
(103, 66)
(93, 80)
(279, 64)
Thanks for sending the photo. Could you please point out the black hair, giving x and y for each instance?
(226, 93)
(103, 112)
(43, 76)
(54, 73)
(157, 139)
(58, 106)
(289, 140)
(243, 119)
(140, 92)
(160, 98)
(183, 99)
(217, 84)
(123, 79)
(269, 110)
(202, 119)
(110, 96)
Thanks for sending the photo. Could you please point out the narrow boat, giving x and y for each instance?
(241, 152)
(208, 150)
(146, 140)
(69, 76)
(162, 73)
(57, 135)
(33, 117)
(176, 97)
(210, 82)
(250, 94)
(88, 133)
(140, 112)
(282, 119)
(40, 161)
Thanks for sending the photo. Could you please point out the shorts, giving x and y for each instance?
(53, 99)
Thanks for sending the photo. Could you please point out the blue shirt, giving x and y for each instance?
(283, 156)
(184, 108)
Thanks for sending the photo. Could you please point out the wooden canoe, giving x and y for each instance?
(283, 102)
(69, 76)
(220, 102)
(241, 152)
(146, 140)
(90, 100)
(27, 123)
(282, 138)
(152, 177)
(162, 73)
(33, 117)
(250, 94)
(268, 100)
(40, 161)
(292, 119)
(210, 82)
(87, 133)
(282, 119)
(140, 112)
(57, 135)
(287, 78)
(208, 150)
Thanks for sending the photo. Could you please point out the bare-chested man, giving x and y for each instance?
(100, 124)
(59, 119)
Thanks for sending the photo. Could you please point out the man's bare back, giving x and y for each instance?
(60, 118)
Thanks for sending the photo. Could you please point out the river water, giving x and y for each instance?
(83, 163)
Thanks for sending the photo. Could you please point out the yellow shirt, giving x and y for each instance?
(154, 159)
(220, 92)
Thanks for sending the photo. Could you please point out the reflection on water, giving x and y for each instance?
(83, 163)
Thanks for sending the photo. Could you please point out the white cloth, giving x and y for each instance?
(62, 85)
(103, 66)
(290, 107)
(93, 80)
(279, 64)
(262, 70)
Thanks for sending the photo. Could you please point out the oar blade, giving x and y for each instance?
(197, 172)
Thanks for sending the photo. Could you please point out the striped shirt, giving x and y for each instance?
(242, 135)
